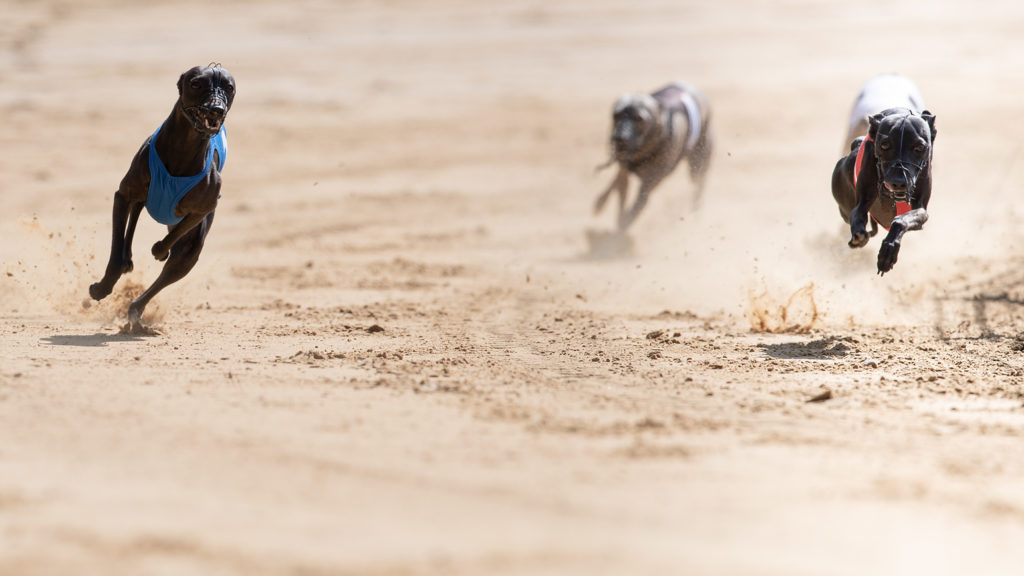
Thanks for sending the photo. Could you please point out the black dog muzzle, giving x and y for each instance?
(216, 106)
(909, 169)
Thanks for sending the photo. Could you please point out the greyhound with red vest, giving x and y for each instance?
(886, 179)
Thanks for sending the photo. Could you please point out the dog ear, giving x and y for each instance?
(181, 82)
(930, 119)
(873, 122)
(622, 103)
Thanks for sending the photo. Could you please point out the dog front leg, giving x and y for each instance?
(163, 247)
(890, 250)
(619, 183)
(115, 265)
(859, 217)
(627, 218)
(126, 253)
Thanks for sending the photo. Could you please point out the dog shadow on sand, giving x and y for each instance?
(607, 245)
(96, 340)
(829, 347)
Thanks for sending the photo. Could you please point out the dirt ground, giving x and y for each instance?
(398, 354)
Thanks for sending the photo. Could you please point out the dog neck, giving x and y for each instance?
(180, 146)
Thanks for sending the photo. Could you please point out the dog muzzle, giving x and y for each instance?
(208, 117)
(898, 180)
(204, 120)
(625, 140)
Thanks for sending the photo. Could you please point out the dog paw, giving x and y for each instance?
(887, 256)
(160, 251)
(134, 325)
(858, 240)
(127, 265)
(98, 292)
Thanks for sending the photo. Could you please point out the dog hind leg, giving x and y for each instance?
(163, 247)
(699, 160)
(183, 256)
(646, 186)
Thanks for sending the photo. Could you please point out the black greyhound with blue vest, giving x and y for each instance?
(887, 176)
(175, 175)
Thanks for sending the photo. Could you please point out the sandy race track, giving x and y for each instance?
(397, 354)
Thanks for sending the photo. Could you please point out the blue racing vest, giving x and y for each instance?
(165, 191)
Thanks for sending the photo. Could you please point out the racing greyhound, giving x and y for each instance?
(887, 176)
(175, 175)
(651, 134)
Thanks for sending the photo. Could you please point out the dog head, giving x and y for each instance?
(903, 147)
(206, 94)
(636, 122)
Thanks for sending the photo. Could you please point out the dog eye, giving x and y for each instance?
(885, 146)
(195, 83)
(919, 149)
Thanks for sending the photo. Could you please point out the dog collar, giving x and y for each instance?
(860, 159)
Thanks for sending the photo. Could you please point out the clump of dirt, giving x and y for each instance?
(797, 315)
(310, 356)
(1018, 343)
(664, 336)
(822, 396)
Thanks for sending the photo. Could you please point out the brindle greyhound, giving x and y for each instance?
(175, 175)
(887, 178)
(651, 134)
